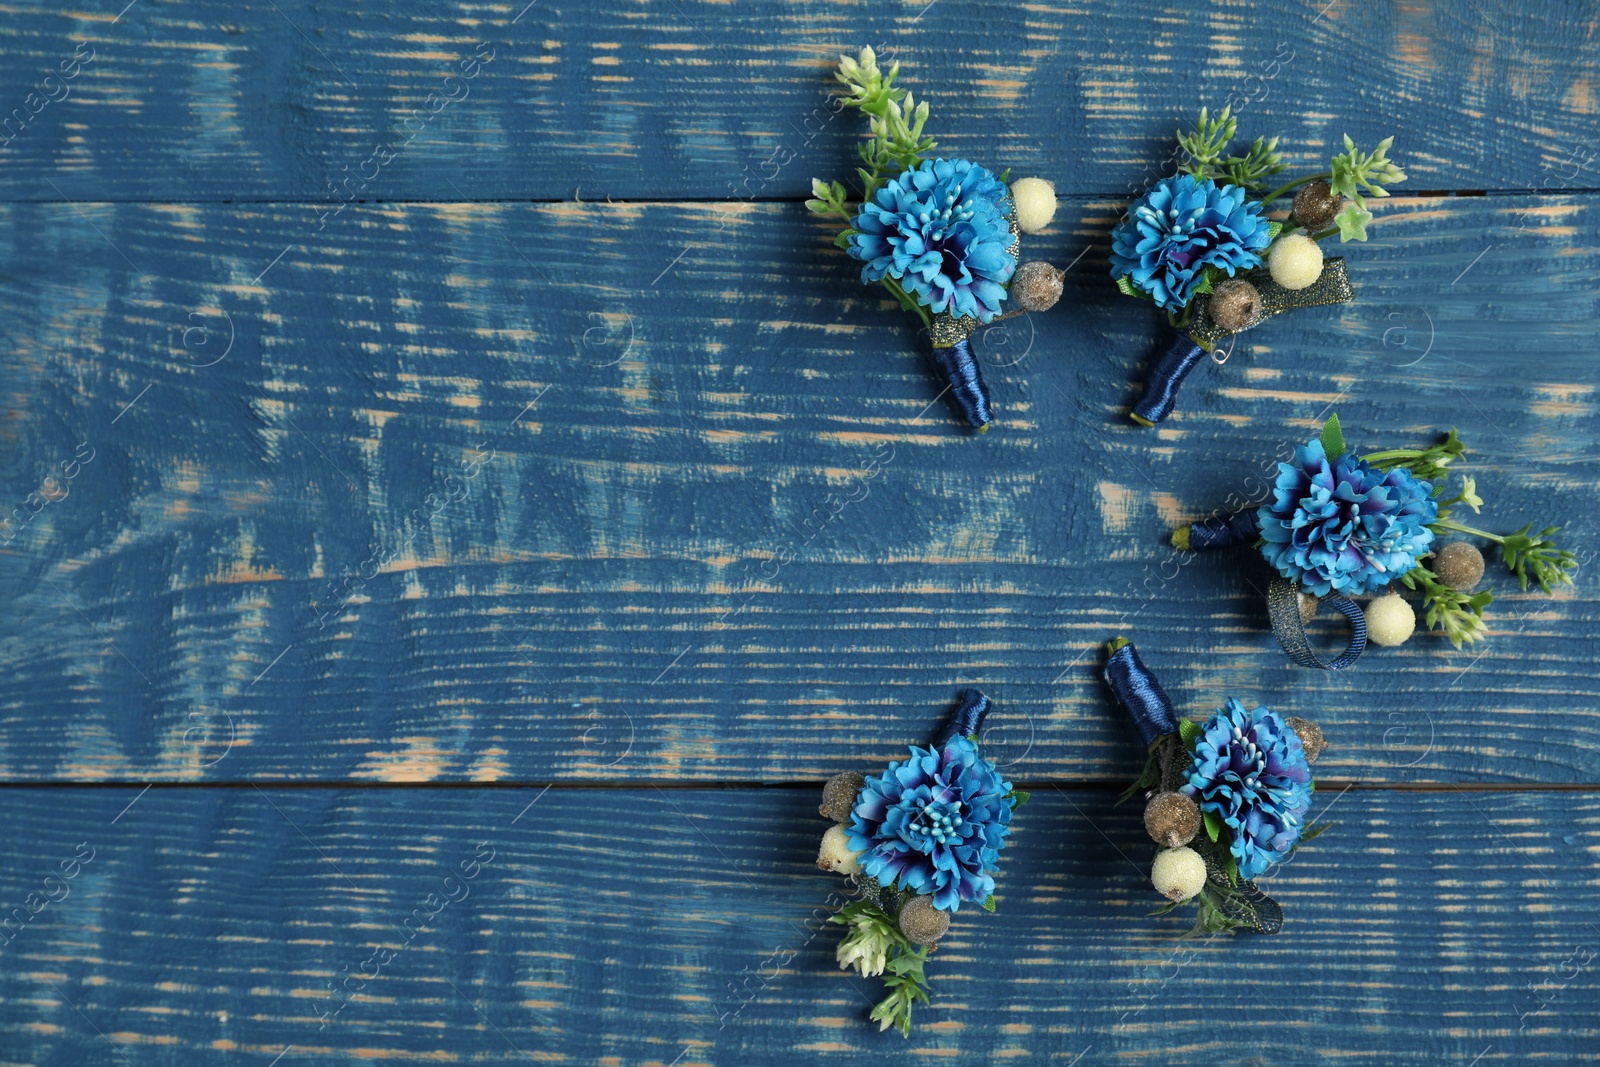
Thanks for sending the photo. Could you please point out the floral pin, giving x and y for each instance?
(941, 235)
(1341, 525)
(1195, 244)
(916, 842)
(1227, 798)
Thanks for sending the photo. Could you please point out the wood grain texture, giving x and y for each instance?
(506, 492)
(685, 927)
(691, 99)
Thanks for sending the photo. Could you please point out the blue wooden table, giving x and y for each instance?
(494, 508)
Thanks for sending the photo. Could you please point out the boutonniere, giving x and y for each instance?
(1200, 247)
(1341, 525)
(942, 235)
(916, 842)
(1227, 798)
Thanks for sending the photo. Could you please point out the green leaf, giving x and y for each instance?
(1018, 797)
(1230, 867)
(1150, 777)
(1333, 438)
(988, 903)
(1005, 176)
(1213, 825)
(1352, 222)
(1273, 229)
(1188, 732)
(843, 240)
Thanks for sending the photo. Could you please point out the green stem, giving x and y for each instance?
(1446, 524)
(1380, 458)
(1280, 190)
(907, 302)
(1329, 232)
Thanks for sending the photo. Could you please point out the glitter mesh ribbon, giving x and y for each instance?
(1242, 901)
(1283, 607)
(1148, 707)
(1185, 351)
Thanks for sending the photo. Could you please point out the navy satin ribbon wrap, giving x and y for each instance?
(965, 718)
(1170, 366)
(960, 369)
(1141, 695)
(1283, 606)
(1225, 531)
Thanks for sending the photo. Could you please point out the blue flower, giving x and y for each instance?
(1345, 526)
(934, 824)
(1180, 227)
(1250, 771)
(940, 229)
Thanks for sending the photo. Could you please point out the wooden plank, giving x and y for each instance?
(289, 100)
(503, 492)
(687, 927)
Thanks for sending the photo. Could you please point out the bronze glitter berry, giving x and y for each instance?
(1459, 565)
(921, 922)
(1171, 819)
(1036, 286)
(839, 795)
(1311, 738)
(1315, 206)
(1234, 304)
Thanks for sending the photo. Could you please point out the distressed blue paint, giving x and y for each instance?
(226, 100)
(658, 427)
(209, 924)
(655, 493)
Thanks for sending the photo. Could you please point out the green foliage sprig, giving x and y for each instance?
(875, 946)
(1458, 615)
(1350, 173)
(1532, 557)
(896, 121)
(1204, 146)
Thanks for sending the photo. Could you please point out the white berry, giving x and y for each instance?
(1390, 620)
(835, 853)
(1035, 200)
(1178, 873)
(1295, 261)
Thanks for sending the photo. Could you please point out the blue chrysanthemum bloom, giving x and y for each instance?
(940, 229)
(1250, 770)
(1345, 526)
(1180, 227)
(934, 824)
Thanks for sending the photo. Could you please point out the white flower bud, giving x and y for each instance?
(869, 956)
(836, 854)
(1390, 620)
(1035, 200)
(1178, 873)
(1295, 261)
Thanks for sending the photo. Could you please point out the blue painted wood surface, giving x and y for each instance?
(443, 513)
(647, 926)
(365, 472)
(292, 99)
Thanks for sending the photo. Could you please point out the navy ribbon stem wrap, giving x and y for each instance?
(1283, 607)
(1224, 531)
(1170, 366)
(960, 369)
(1148, 706)
(965, 718)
